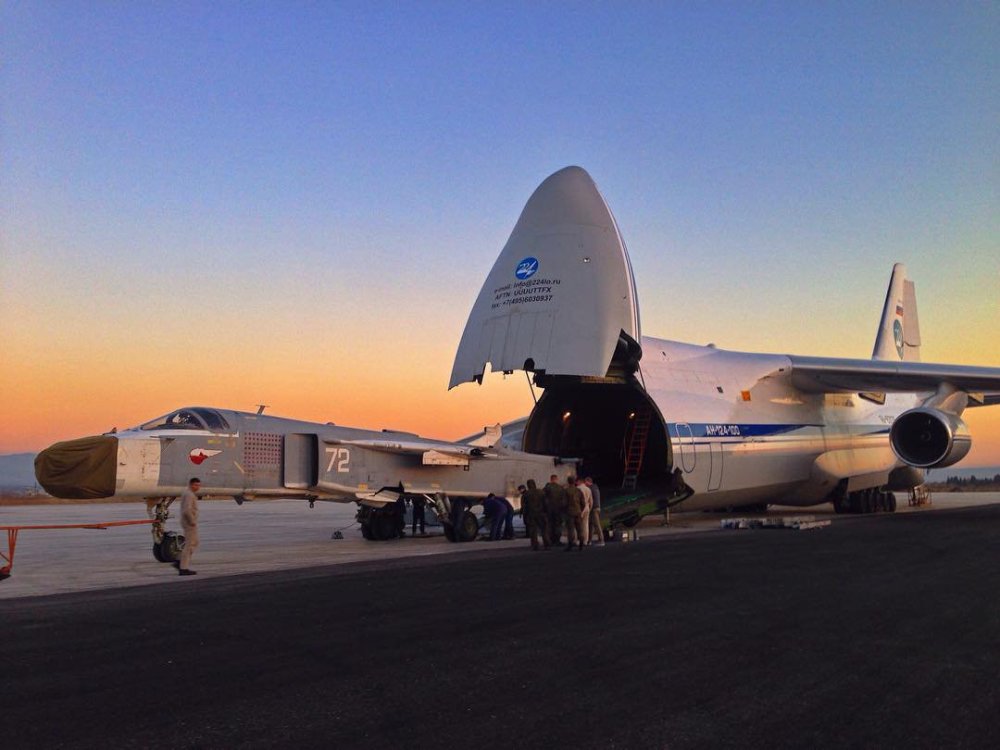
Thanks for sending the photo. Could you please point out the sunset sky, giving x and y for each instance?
(296, 203)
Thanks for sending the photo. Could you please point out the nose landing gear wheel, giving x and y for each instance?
(171, 547)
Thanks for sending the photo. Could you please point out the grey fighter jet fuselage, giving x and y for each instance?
(247, 455)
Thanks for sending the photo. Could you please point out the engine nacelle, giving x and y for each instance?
(929, 438)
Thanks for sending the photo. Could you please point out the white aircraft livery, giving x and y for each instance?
(744, 429)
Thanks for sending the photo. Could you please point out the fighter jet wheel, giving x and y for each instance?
(171, 546)
(383, 525)
(469, 528)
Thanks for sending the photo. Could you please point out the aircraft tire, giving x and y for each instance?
(157, 555)
(868, 501)
(171, 546)
(384, 526)
(892, 502)
(469, 529)
(840, 504)
(449, 532)
(366, 531)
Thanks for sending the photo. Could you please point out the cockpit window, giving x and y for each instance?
(182, 419)
(213, 419)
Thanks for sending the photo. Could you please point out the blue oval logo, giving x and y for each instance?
(897, 336)
(526, 268)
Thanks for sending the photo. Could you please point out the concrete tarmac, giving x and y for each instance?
(878, 631)
(263, 536)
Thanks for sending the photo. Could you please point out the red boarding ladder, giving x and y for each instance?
(635, 449)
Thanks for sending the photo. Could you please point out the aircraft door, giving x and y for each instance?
(715, 472)
(686, 447)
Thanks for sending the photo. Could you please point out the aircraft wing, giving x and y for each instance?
(433, 454)
(823, 375)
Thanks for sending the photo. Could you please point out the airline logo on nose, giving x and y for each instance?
(526, 268)
(198, 455)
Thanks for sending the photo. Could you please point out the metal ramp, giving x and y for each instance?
(635, 447)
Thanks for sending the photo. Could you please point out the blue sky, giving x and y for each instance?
(767, 163)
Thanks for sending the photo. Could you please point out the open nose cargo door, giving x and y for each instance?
(560, 299)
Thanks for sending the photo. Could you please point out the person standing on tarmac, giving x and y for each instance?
(189, 524)
(508, 519)
(419, 514)
(588, 504)
(596, 532)
(574, 514)
(533, 511)
(494, 510)
(555, 507)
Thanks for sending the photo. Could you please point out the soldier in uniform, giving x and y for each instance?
(189, 524)
(419, 515)
(533, 511)
(555, 503)
(574, 514)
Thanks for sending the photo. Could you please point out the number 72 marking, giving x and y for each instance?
(341, 457)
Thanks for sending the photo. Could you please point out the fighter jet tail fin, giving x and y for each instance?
(898, 337)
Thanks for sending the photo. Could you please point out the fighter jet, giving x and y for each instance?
(744, 429)
(245, 455)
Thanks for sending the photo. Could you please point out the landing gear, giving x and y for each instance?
(871, 500)
(167, 545)
(171, 547)
(379, 524)
(467, 530)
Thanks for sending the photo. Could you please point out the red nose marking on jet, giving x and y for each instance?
(198, 455)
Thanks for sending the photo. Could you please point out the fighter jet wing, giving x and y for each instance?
(822, 375)
(433, 454)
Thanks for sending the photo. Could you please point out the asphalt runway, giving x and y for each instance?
(879, 631)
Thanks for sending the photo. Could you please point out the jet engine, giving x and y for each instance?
(928, 438)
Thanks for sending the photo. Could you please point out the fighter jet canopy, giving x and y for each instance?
(560, 296)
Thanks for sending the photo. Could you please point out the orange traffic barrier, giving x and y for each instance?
(12, 532)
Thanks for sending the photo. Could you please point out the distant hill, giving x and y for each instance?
(940, 475)
(17, 471)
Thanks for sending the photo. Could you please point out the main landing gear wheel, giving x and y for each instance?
(871, 500)
(171, 547)
(157, 555)
(380, 524)
(468, 530)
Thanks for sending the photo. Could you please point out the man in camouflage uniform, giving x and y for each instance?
(555, 505)
(574, 515)
(533, 511)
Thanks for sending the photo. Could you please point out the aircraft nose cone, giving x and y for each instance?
(79, 469)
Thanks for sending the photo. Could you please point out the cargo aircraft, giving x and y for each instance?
(560, 303)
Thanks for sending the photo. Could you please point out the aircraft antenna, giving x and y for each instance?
(261, 407)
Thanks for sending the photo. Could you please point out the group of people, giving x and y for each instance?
(575, 505)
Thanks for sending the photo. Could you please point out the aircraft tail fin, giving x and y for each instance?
(898, 337)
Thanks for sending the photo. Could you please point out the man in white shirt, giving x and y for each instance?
(596, 532)
(189, 524)
(588, 504)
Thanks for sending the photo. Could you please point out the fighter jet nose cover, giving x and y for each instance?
(561, 292)
(79, 469)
